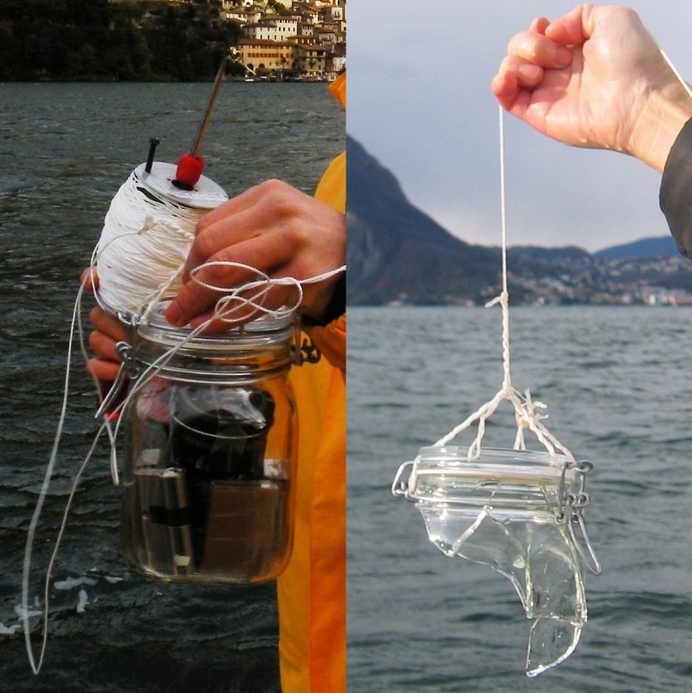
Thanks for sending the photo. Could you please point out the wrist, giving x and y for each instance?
(334, 308)
(658, 125)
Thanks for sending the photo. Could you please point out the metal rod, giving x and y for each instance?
(153, 143)
(210, 107)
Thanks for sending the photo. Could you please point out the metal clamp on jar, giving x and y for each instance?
(210, 452)
(521, 513)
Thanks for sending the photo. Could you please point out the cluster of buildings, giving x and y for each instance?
(652, 281)
(289, 40)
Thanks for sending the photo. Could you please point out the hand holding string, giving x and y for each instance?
(595, 78)
(272, 232)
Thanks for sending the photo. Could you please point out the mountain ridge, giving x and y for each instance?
(654, 246)
(397, 253)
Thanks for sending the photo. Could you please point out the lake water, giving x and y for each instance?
(617, 386)
(615, 381)
(66, 149)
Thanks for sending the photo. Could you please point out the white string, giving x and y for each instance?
(251, 294)
(678, 76)
(526, 412)
(141, 254)
(31, 534)
(142, 258)
(525, 408)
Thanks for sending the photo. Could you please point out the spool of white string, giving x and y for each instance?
(146, 236)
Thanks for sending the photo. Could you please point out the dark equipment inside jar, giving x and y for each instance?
(218, 434)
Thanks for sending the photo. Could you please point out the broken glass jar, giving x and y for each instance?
(521, 513)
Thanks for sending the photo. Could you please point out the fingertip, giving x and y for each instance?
(515, 75)
(173, 315)
(206, 220)
(538, 50)
(497, 84)
(540, 24)
(529, 75)
(504, 87)
(206, 319)
(102, 370)
(89, 278)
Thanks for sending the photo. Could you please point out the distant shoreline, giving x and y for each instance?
(86, 80)
(398, 305)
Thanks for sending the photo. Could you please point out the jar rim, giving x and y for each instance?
(501, 456)
(263, 331)
(446, 474)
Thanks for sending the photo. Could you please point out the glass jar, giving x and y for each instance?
(210, 452)
(521, 513)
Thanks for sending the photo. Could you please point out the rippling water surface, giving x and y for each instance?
(65, 150)
(618, 390)
(616, 382)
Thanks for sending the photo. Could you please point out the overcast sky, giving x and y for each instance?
(419, 101)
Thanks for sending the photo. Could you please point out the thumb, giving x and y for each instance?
(574, 28)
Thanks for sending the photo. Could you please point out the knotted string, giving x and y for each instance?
(527, 412)
(143, 251)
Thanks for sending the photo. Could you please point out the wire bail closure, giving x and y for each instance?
(520, 512)
(399, 486)
(571, 513)
(570, 509)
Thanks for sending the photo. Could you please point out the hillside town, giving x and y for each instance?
(572, 276)
(289, 41)
(171, 40)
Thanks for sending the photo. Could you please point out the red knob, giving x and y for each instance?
(189, 170)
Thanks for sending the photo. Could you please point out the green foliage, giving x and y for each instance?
(278, 7)
(100, 40)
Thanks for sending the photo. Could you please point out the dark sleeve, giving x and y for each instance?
(336, 307)
(676, 190)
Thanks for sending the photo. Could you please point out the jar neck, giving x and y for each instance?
(264, 348)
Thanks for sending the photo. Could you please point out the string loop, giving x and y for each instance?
(140, 258)
(527, 413)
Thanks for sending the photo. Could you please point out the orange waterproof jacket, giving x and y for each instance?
(312, 590)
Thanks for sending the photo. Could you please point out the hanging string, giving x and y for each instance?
(31, 534)
(526, 411)
(140, 256)
(527, 414)
(224, 310)
(677, 74)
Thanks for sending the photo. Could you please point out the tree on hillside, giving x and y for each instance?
(98, 40)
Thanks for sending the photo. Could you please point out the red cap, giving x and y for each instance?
(189, 170)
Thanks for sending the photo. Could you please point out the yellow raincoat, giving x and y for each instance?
(312, 590)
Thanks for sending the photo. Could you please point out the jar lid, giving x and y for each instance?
(267, 329)
(518, 479)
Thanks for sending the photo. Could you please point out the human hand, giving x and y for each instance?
(595, 78)
(271, 227)
(107, 332)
